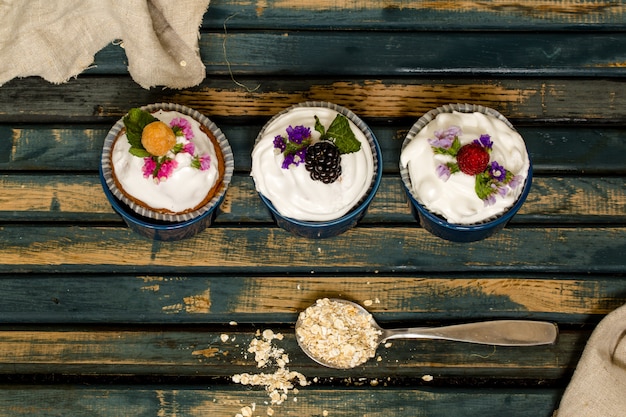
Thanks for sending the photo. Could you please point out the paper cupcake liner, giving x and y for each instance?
(427, 118)
(228, 159)
(360, 124)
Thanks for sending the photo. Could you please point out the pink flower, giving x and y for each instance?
(189, 148)
(205, 162)
(149, 166)
(183, 126)
(166, 169)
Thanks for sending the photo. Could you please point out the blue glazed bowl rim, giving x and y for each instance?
(371, 193)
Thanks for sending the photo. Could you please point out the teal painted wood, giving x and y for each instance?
(418, 299)
(554, 149)
(201, 353)
(382, 54)
(416, 16)
(78, 198)
(407, 250)
(536, 101)
(198, 401)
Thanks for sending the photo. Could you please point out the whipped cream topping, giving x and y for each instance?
(185, 189)
(292, 191)
(455, 199)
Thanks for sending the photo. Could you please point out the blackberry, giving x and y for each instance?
(323, 161)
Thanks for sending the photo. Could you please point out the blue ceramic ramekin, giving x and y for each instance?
(155, 225)
(436, 224)
(330, 228)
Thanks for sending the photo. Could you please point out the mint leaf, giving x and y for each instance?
(319, 126)
(135, 121)
(340, 133)
(140, 152)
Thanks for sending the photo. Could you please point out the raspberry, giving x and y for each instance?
(472, 159)
(323, 161)
(158, 138)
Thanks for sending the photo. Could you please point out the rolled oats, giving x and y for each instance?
(337, 333)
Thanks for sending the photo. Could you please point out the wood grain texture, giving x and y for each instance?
(375, 54)
(198, 401)
(416, 15)
(531, 100)
(71, 197)
(276, 300)
(203, 353)
(272, 250)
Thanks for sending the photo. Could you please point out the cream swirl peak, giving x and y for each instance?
(466, 167)
(183, 182)
(290, 186)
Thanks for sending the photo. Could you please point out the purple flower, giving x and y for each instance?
(490, 200)
(497, 171)
(280, 143)
(288, 161)
(205, 162)
(149, 165)
(298, 134)
(183, 126)
(484, 141)
(166, 169)
(443, 139)
(443, 172)
(516, 181)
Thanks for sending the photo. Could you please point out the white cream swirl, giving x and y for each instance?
(455, 199)
(292, 191)
(185, 189)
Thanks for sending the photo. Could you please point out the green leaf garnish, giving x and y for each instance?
(340, 134)
(139, 152)
(482, 185)
(319, 126)
(135, 121)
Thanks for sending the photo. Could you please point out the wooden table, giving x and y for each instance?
(98, 321)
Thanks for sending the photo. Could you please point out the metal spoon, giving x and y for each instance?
(495, 332)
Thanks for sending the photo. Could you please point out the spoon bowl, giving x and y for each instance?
(329, 318)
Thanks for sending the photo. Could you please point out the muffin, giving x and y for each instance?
(466, 171)
(317, 166)
(167, 164)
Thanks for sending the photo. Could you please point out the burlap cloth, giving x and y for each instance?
(598, 386)
(57, 39)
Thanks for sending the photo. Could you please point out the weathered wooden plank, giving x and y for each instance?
(375, 54)
(202, 353)
(94, 99)
(79, 198)
(276, 300)
(271, 250)
(416, 15)
(594, 150)
(222, 401)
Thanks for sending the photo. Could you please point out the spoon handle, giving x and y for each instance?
(495, 332)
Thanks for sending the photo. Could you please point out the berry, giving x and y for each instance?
(158, 138)
(472, 159)
(323, 161)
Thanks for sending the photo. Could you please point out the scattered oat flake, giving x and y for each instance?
(224, 338)
(233, 323)
(427, 378)
(368, 303)
(279, 383)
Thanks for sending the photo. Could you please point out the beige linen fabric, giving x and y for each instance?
(57, 39)
(598, 386)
